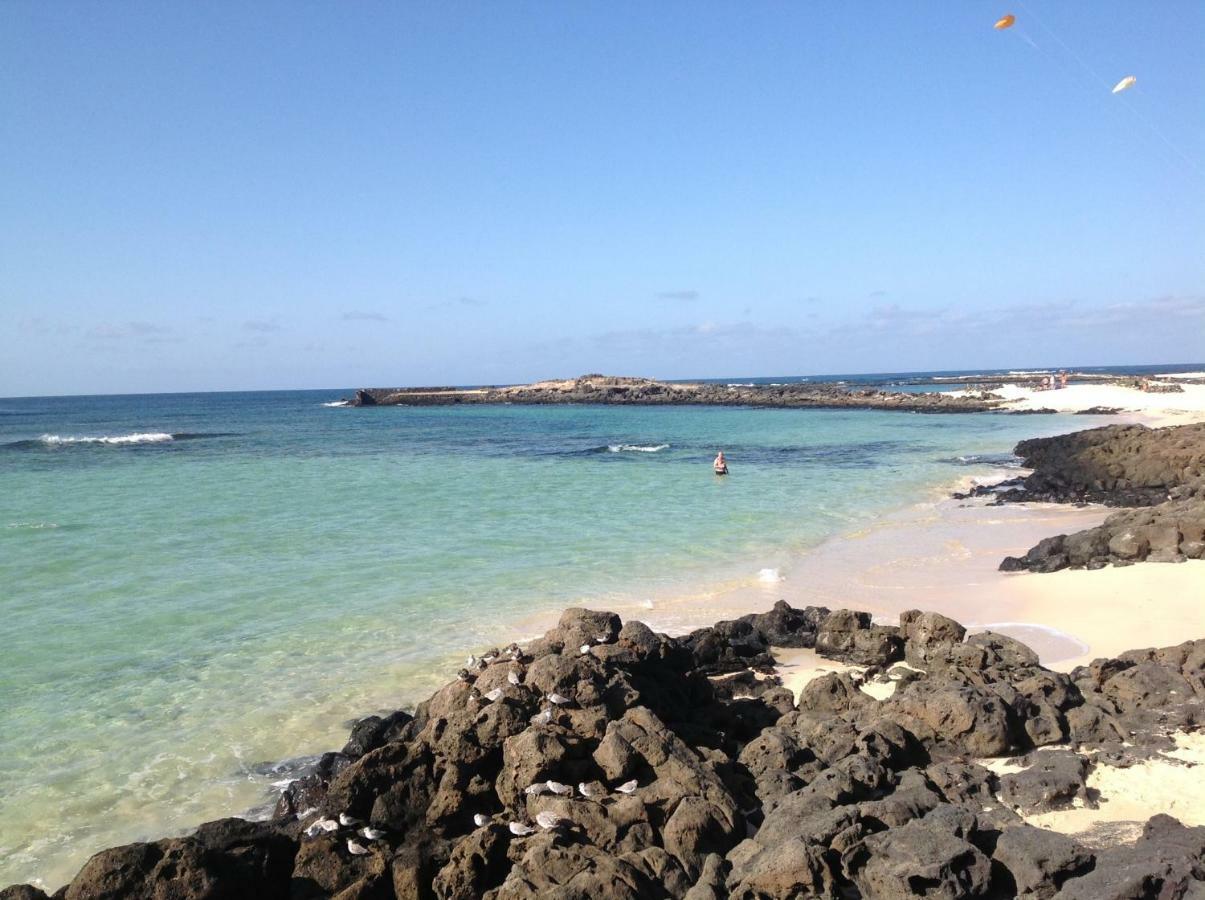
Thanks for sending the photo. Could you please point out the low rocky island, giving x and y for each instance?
(610, 389)
(608, 761)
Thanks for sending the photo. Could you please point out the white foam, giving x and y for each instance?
(140, 437)
(636, 448)
(337, 403)
(769, 576)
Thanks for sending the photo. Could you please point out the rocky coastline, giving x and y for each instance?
(1156, 476)
(608, 389)
(608, 761)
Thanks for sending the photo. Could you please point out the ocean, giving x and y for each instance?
(200, 591)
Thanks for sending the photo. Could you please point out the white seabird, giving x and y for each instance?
(512, 676)
(586, 791)
(356, 849)
(371, 834)
(519, 829)
(542, 718)
(558, 699)
(348, 821)
(556, 787)
(627, 787)
(326, 825)
(534, 790)
(479, 820)
(549, 819)
(493, 695)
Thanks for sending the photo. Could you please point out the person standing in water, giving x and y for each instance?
(720, 465)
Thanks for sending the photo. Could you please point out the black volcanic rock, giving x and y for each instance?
(676, 767)
(1157, 475)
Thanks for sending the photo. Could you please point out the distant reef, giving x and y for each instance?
(612, 389)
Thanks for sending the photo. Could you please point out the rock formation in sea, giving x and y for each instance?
(611, 389)
(1158, 475)
(608, 761)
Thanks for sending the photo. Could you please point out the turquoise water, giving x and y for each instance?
(179, 613)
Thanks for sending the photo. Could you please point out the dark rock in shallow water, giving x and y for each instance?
(658, 777)
(372, 732)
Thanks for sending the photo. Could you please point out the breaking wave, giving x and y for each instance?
(47, 441)
(636, 448)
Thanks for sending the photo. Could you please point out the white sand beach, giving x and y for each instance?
(1155, 409)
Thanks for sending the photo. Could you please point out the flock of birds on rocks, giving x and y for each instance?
(547, 819)
(354, 847)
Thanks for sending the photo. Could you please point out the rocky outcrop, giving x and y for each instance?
(1117, 465)
(647, 392)
(1159, 475)
(605, 760)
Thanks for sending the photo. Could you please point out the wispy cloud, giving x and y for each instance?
(1020, 318)
(116, 331)
(684, 294)
(363, 316)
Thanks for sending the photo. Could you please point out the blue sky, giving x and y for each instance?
(201, 196)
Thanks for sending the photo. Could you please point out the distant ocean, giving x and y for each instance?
(198, 589)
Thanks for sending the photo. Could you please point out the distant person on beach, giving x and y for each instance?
(720, 465)
(1063, 378)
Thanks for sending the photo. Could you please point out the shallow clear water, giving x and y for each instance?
(181, 613)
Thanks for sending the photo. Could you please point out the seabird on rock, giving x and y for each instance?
(480, 820)
(601, 638)
(372, 834)
(471, 662)
(627, 787)
(518, 829)
(493, 695)
(512, 676)
(586, 791)
(348, 821)
(356, 849)
(557, 699)
(326, 825)
(549, 819)
(556, 787)
(534, 790)
(583, 649)
(542, 718)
